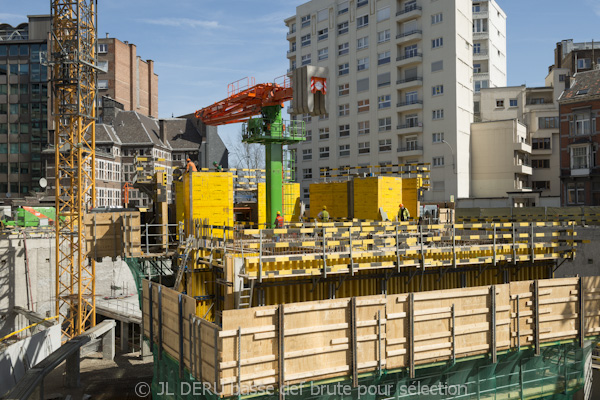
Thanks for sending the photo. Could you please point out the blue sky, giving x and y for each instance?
(199, 46)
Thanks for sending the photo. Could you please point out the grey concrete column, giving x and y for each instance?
(124, 337)
(145, 350)
(108, 345)
(72, 370)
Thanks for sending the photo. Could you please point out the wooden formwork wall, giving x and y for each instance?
(113, 234)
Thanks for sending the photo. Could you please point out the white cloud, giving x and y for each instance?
(595, 4)
(183, 22)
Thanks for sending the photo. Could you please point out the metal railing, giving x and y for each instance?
(407, 80)
(409, 103)
(408, 9)
(408, 126)
(409, 56)
(410, 148)
(152, 238)
(409, 33)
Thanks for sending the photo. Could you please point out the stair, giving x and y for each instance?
(246, 296)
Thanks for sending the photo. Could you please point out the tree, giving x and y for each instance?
(246, 155)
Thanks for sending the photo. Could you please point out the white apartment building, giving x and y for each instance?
(400, 85)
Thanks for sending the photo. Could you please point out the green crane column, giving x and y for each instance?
(273, 122)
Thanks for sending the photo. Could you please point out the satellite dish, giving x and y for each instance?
(8, 195)
(43, 183)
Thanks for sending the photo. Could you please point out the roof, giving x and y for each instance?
(106, 134)
(584, 85)
(182, 134)
(134, 128)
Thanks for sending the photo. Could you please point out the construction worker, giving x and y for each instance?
(323, 215)
(218, 166)
(190, 167)
(403, 214)
(279, 221)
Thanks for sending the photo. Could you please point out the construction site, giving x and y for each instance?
(228, 286)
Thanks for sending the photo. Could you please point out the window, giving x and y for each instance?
(437, 90)
(292, 29)
(411, 97)
(305, 21)
(584, 63)
(364, 127)
(384, 58)
(412, 143)
(499, 103)
(344, 90)
(480, 85)
(435, 43)
(362, 43)
(579, 157)
(103, 65)
(480, 25)
(344, 150)
(324, 133)
(307, 154)
(308, 136)
(537, 164)
(541, 185)
(438, 161)
(383, 36)
(437, 66)
(362, 21)
(305, 40)
(384, 79)
(477, 48)
(306, 195)
(305, 59)
(361, 3)
(580, 125)
(476, 7)
(412, 120)
(541, 144)
(323, 34)
(438, 137)
(385, 124)
(562, 77)
(364, 148)
(324, 152)
(363, 64)
(383, 14)
(102, 48)
(410, 51)
(385, 145)
(323, 54)
(437, 18)
(438, 114)
(344, 130)
(362, 85)
(343, 48)
(343, 110)
(343, 28)
(363, 105)
(343, 8)
(292, 65)
(576, 193)
(513, 102)
(343, 69)
(476, 68)
(322, 15)
(548, 123)
(384, 101)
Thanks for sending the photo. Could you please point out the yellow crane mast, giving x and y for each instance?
(74, 35)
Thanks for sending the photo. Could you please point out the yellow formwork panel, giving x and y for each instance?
(410, 188)
(262, 204)
(334, 195)
(373, 193)
(291, 202)
(179, 203)
(211, 199)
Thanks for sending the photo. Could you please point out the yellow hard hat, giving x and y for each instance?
(278, 213)
(324, 207)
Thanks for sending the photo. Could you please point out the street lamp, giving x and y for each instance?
(452, 152)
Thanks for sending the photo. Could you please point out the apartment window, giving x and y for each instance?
(410, 51)
(305, 21)
(364, 127)
(437, 90)
(324, 152)
(362, 21)
(513, 102)
(412, 120)
(435, 43)
(541, 144)
(324, 133)
(363, 105)
(343, 110)
(384, 58)
(102, 84)
(102, 48)
(292, 29)
(548, 123)
(437, 18)
(307, 154)
(103, 65)
(412, 143)
(499, 103)
(580, 157)
(323, 34)
(576, 193)
(344, 90)
(343, 69)
(363, 64)
(438, 137)
(362, 43)
(438, 161)
(383, 14)
(308, 136)
(343, 28)
(361, 3)
(562, 77)
(476, 7)
(438, 114)
(476, 68)
(384, 101)
(580, 125)
(537, 164)
(306, 195)
(540, 185)
(362, 85)
(305, 40)
(343, 8)
(344, 130)
(411, 97)
(480, 25)
(383, 36)
(584, 63)
(364, 148)
(292, 65)
(437, 66)
(344, 150)
(305, 59)
(480, 85)
(385, 124)
(343, 48)
(323, 54)
(385, 145)
(384, 79)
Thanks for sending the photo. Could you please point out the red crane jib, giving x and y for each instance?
(240, 106)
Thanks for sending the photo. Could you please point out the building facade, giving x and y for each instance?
(580, 140)
(401, 83)
(576, 57)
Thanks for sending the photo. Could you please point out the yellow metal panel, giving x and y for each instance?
(410, 195)
(211, 199)
(334, 195)
(291, 202)
(262, 204)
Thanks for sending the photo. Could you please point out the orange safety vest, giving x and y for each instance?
(279, 221)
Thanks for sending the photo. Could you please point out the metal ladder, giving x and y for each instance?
(246, 296)
(184, 259)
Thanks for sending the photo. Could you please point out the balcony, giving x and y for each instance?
(405, 129)
(480, 55)
(408, 59)
(523, 169)
(482, 13)
(410, 151)
(580, 172)
(291, 53)
(405, 37)
(409, 82)
(541, 152)
(524, 147)
(410, 105)
(481, 76)
(408, 13)
(291, 35)
(480, 35)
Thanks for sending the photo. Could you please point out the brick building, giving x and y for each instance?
(577, 57)
(579, 140)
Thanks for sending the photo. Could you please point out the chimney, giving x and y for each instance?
(107, 35)
(567, 82)
(558, 55)
(162, 134)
